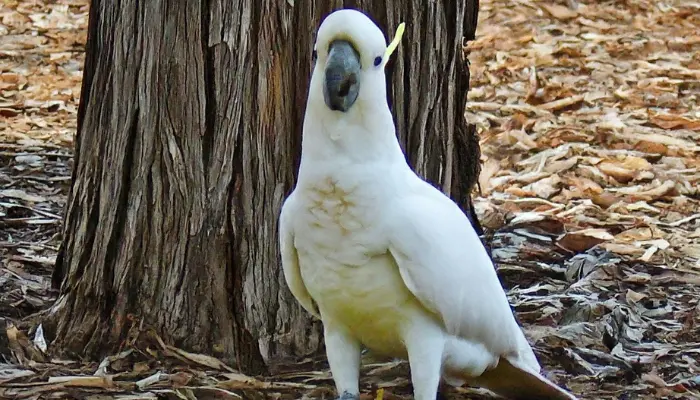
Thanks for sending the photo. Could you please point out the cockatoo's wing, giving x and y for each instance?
(444, 264)
(290, 259)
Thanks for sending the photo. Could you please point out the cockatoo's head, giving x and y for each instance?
(351, 53)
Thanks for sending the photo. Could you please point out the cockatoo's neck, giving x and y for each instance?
(360, 136)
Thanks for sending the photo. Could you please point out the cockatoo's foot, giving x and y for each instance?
(349, 396)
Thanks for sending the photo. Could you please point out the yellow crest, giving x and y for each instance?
(394, 43)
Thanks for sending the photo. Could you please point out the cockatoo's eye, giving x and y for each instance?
(377, 61)
(314, 55)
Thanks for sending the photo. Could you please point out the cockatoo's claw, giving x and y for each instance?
(349, 396)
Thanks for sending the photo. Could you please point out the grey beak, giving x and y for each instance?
(342, 83)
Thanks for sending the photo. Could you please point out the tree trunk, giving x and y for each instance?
(189, 133)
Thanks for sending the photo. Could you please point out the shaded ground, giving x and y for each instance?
(591, 139)
(40, 72)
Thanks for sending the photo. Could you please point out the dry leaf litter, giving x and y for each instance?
(590, 131)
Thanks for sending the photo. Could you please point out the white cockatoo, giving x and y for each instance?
(383, 258)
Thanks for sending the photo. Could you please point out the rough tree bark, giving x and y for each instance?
(189, 132)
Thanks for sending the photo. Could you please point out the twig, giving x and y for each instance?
(28, 221)
(35, 210)
(148, 381)
(42, 154)
(42, 179)
(680, 222)
(562, 103)
(29, 245)
(22, 146)
(44, 261)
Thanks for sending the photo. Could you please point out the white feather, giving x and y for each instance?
(444, 264)
(290, 261)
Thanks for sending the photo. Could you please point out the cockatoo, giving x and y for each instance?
(383, 258)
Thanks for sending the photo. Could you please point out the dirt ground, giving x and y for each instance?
(590, 126)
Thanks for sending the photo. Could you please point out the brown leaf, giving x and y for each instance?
(103, 382)
(488, 170)
(541, 222)
(562, 103)
(653, 192)
(544, 188)
(561, 165)
(620, 174)
(634, 297)
(180, 379)
(604, 200)
(669, 121)
(517, 121)
(240, 381)
(201, 359)
(559, 11)
(22, 348)
(626, 170)
(584, 239)
(9, 112)
(141, 367)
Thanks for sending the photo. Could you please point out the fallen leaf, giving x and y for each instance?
(668, 121)
(103, 382)
(634, 297)
(559, 11)
(22, 195)
(583, 240)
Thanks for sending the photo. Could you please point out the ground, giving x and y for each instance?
(590, 126)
